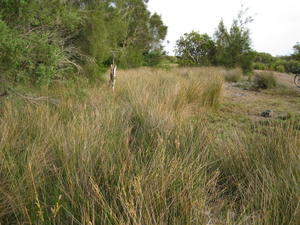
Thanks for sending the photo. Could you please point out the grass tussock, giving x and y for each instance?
(265, 80)
(146, 154)
(233, 75)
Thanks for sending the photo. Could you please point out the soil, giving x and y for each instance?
(281, 100)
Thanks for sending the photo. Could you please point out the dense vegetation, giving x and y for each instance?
(230, 48)
(42, 41)
(289, 64)
(168, 147)
(165, 148)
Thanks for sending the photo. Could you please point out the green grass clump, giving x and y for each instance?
(265, 80)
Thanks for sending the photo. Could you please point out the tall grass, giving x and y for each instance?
(146, 154)
(233, 75)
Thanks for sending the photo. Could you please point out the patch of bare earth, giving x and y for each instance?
(282, 100)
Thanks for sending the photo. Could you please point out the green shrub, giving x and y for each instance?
(31, 59)
(234, 75)
(280, 68)
(292, 66)
(265, 80)
(42, 41)
(132, 58)
(153, 58)
(260, 66)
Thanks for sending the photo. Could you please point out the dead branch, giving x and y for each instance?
(33, 99)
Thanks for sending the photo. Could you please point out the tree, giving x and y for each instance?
(195, 49)
(56, 39)
(296, 54)
(234, 46)
(133, 31)
(158, 32)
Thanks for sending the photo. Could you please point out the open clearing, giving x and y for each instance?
(282, 100)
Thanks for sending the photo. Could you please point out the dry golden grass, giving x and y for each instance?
(234, 75)
(150, 153)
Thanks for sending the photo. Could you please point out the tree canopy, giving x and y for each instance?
(296, 54)
(229, 48)
(195, 49)
(55, 39)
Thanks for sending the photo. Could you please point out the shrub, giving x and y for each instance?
(234, 75)
(280, 68)
(153, 58)
(291, 66)
(265, 80)
(260, 66)
(30, 59)
(42, 40)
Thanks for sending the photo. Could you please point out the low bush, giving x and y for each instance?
(265, 80)
(260, 66)
(292, 66)
(280, 68)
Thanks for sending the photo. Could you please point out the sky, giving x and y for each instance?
(275, 29)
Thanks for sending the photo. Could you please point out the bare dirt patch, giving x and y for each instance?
(282, 100)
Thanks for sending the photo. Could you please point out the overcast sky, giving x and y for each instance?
(275, 29)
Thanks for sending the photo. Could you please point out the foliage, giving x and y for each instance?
(280, 68)
(265, 80)
(195, 49)
(264, 58)
(229, 48)
(234, 46)
(292, 66)
(30, 58)
(153, 58)
(296, 54)
(46, 40)
(289, 64)
(260, 66)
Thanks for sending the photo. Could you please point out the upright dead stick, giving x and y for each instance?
(113, 75)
